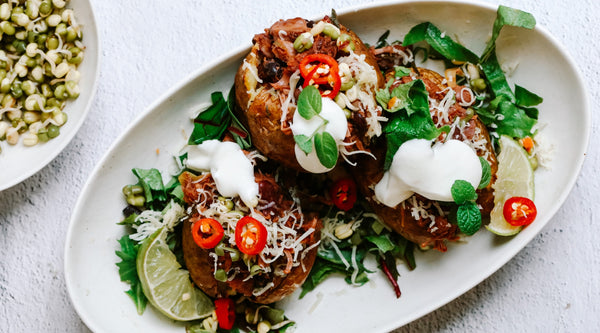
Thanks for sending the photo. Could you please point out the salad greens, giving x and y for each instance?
(441, 43)
(128, 272)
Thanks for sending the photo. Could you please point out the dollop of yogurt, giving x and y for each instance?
(428, 170)
(337, 126)
(230, 168)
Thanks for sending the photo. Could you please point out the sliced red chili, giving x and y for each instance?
(309, 72)
(519, 211)
(250, 235)
(207, 233)
(225, 310)
(343, 193)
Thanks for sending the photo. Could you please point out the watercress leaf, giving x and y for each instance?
(128, 271)
(515, 122)
(211, 123)
(495, 76)
(304, 142)
(154, 190)
(309, 102)
(383, 242)
(462, 191)
(525, 97)
(486, 173)
(468, 218)
(326, 149)
(443, 44)
(507, 16)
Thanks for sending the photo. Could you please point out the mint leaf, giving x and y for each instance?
(304, 142)
(211, 123)
(525, 97)
(309, 102)
(507, 16)
(448, 48)
(468, 218)
(462, 192)
(326, 149)
(486, 173)
(128, 272)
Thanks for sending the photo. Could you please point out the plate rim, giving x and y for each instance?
(244, 48)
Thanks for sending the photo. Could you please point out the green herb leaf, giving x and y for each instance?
(211, 123)
(443, 44)
(468, 218)
(514, 121)
(496, 78)
(401, 71)
(129, 220)
(462, 192)
(154, 190)
(382, 41)
(507, 16)
(486, 173)
(326, 149)
(411, 96)
(383, 242)
(128, 272)
(238, 131)
(525, 97)
(304, 142)
(309, 102)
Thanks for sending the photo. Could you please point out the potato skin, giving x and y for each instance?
(259, 105)
(425, 233)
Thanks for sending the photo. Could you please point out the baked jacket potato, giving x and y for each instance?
(419, 219)
(263, 278)
(268, 82)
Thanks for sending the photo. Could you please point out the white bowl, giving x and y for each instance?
(19, 162)
(544, 67)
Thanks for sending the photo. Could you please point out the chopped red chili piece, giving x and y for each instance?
(225, 310)
(519, 211)
(329, 78)
(250, 235)
(207, 233)
(343, 193)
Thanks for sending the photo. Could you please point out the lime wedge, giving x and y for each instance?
(514, 179)
(166, 284)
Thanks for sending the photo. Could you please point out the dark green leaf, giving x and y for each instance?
(486, 173)
(462, 191)
(154, 190)
(443, 44)
(237, 130)
(326, 149)
(507, 16)
(304, 142)
(468, 218)
(382, 41)
(321, 269)
(383, 242)
(514, 121)
(309, 102)
(361, 278)
(128, 272)
(211, 123)
(129, 220)
(525, 97)
(496, 78)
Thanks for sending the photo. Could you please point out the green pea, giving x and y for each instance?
(30, 62)
(28, 87)
(46, 90)
(53, 131)
(53, 102)
(31, 10)
(31, 36)
(76, 60)
(20, 46)
(61, 30)
(5, 85)
(16, 89)
(347, 113)
(478, 84)
(7, 28)
(8, 101)
(71, 35)
(41, 40)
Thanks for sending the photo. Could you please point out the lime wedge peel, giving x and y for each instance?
(514, 179)
(166, 285)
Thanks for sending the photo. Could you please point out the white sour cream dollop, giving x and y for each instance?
(418, 167)
(337, 127)
(230, 168)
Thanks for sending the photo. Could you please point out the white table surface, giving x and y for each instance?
(552, 285)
